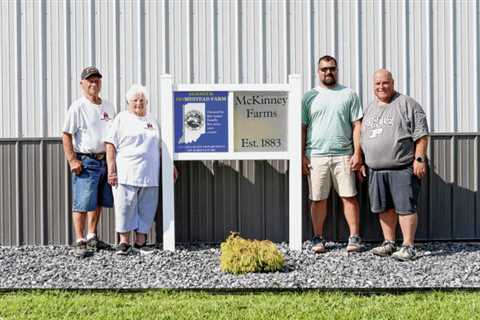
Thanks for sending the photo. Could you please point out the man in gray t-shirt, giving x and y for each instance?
(394, 141)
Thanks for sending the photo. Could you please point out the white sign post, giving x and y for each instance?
(195, 121)
(168, 194)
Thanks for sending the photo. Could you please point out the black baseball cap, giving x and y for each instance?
(90, 71)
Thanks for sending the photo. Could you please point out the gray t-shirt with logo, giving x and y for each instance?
(389, 132)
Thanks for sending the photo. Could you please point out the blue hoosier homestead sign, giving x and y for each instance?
(201, 121)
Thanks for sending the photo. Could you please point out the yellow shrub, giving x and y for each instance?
(240, 255)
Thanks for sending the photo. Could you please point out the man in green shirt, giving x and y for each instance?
(331, 122)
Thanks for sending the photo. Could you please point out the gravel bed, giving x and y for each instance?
(439, 265)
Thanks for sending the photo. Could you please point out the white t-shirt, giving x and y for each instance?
(137, 143)
(88, 123)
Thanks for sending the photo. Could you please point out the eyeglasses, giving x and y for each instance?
(331, 69)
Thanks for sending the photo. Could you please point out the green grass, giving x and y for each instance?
(188, 305)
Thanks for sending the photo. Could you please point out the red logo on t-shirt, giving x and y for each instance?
(105, 116)
(149, 126)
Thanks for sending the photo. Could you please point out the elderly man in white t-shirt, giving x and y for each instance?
(133, 156)
(86, 124)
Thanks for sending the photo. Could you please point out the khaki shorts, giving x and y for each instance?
(327, 169)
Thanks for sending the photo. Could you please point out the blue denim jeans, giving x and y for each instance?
(90, 188)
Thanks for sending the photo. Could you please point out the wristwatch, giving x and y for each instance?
(420, 159)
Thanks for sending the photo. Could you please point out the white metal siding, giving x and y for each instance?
(430, 46)
(57, 89)
(465, 60)
(31, 61)
(9, 82)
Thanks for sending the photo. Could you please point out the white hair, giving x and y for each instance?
(134, 90)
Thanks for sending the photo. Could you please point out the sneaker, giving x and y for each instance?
(385, 249)
(406, 253)
(354, 244)
(318, 245)
(96, 244)
(123, 249)
(80, 249)
(144, 249)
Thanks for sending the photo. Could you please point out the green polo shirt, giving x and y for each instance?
(328, 115)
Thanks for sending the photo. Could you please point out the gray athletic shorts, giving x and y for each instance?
(393, 189)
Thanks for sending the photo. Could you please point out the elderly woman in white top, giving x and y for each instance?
(133, 161)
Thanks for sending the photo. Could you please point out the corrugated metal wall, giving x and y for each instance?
(213, 198)
(431, 47)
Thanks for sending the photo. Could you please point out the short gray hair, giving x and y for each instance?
(136, 89)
